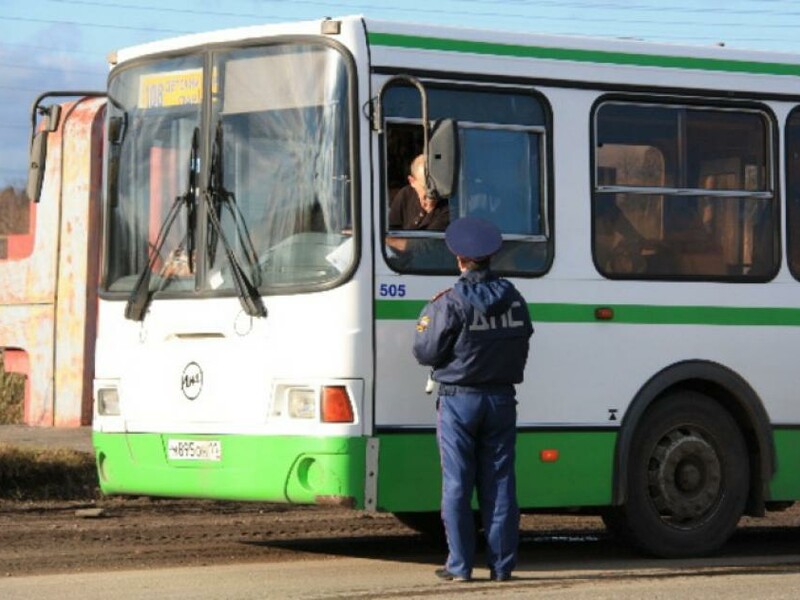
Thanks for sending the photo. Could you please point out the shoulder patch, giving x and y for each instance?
(423, 323)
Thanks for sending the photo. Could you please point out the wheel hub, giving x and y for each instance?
(685, 476)
(688, 477)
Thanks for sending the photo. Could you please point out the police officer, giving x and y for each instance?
(476, 336)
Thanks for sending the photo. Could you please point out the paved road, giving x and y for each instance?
(345, 578)
(76, 438)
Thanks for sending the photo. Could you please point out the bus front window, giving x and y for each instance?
(283, 195)
(154, 111)
(249, 152)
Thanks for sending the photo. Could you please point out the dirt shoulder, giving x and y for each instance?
(47, 474)
(132, 533)
(46, 463)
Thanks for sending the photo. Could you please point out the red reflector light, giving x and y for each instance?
(336, 407)
(603, 313)
(549, 455)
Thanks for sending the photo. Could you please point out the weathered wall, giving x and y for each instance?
(48, 296)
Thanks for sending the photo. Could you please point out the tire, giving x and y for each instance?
(614, 520)
(688, 478)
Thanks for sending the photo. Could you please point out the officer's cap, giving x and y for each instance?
(470, 237)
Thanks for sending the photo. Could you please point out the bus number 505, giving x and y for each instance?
(392, 290)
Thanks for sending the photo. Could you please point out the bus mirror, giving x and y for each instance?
(36, 164)
(443, 157)
(44, 120)
(51, 116)
(116, 129)
(112, 183)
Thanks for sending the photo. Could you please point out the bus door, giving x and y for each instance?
(404, 132)
(498, 161)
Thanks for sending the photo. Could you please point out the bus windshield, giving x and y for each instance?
(267, 192)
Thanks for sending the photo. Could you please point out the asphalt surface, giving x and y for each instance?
(23, 436)
(755, 564)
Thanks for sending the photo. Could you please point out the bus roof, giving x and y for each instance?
(398, 39)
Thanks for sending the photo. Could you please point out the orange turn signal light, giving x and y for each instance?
(548, 455)
(336, 405)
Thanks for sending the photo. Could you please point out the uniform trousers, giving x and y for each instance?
(476, 432)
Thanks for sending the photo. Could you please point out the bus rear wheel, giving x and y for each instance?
(688, 478)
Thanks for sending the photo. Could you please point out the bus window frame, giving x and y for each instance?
(207, 51)
(771, 184)
(792, 239)
(544, 133)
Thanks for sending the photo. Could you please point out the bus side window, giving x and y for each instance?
(693, 184)
(502, 139)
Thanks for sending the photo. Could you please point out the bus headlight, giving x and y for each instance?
(327, 402)
(302, 403)
(108, 402)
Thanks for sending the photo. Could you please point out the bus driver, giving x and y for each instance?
(413, 208)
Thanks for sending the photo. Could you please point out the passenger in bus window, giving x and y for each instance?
(618, 243)
(413, 208)
(475, 337)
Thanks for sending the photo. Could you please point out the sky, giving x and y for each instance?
(63, 44)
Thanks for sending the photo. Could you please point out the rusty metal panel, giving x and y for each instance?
(59, 338)
(76, 306)
(27, 295)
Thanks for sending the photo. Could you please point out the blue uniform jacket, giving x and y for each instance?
(475, 334)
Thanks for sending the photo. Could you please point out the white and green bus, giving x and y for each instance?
(255, 316)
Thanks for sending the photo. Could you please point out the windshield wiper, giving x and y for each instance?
(139, 299)
(216, 197)
(221, 197)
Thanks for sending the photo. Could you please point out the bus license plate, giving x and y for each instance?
(194, 450)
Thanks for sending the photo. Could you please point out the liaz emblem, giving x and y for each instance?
(192, 380)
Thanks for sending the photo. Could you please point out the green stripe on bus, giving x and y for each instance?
(578, 55)
(410, 475)
(642, 314)
(785, 484)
